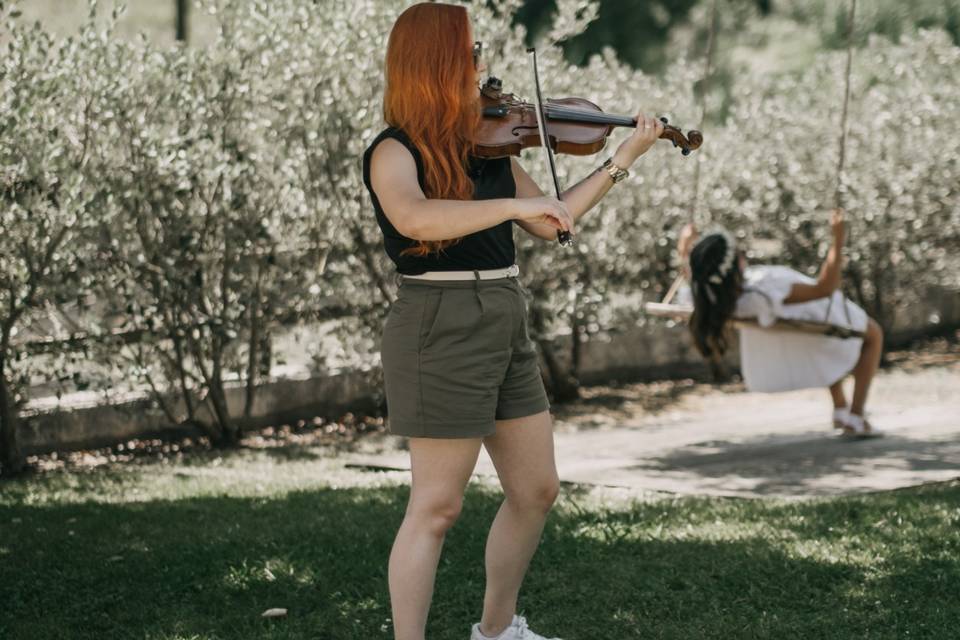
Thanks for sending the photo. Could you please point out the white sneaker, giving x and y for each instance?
(517, 630)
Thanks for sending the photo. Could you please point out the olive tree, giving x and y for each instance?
(778, 176)
(210, 237)
(49, 93)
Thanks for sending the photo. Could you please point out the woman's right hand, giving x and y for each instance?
(837, 226)
(544, 209)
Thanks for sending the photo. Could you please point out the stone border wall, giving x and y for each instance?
(277, 401)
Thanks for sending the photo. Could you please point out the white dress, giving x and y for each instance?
(786, 360)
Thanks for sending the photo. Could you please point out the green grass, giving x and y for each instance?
(199, 548)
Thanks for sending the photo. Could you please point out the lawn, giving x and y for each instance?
(198, 546)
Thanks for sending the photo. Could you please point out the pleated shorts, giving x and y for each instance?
(457, 356)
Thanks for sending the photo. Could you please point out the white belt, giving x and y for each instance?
(481, 274)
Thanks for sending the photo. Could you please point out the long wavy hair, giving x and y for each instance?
(431, 95)
(713, 302)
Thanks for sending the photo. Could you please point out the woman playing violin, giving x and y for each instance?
(460, 370)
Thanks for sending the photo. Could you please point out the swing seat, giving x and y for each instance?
(683, 312)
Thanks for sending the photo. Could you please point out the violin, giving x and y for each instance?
(573, 125)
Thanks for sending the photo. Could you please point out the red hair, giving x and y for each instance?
(431, 95)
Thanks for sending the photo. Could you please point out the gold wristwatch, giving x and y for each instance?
(616, 173)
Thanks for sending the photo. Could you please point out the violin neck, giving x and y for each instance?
(569, 114)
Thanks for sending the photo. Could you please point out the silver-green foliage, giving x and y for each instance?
(259, 216)
(777, 162)
(47, 204)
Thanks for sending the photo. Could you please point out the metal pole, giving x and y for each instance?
(183, 9)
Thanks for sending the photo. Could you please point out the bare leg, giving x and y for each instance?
(522, 452)
(440, 470)
(866, 366)
(836, 393)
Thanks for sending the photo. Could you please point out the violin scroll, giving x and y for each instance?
(687, 143)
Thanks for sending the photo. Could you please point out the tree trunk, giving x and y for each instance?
(884, 315)
(253, 350)
(182, 376)
(183, 13)
(266, 353)
(576, 348)
(563, 387)
(230, 433)
(12, 461)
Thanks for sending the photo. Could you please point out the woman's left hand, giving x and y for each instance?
(837, 226)
(648, 130)
(688, 238)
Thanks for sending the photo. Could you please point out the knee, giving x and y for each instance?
(437, 515)
(538, 496)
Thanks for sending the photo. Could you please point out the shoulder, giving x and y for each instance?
(393, 136)
(391, 147)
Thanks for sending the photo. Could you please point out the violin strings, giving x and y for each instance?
(582, 115)
(587, 116)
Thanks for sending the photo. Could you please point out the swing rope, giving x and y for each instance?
(707, 70)
(842, 153)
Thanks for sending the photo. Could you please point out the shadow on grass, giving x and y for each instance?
(206, 568)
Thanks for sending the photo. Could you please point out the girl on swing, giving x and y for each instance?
(460, 370)
(723, 287)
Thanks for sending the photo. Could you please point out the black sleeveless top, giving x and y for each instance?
(491, 248)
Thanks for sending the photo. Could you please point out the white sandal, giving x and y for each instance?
(840, 417)
(858, 427)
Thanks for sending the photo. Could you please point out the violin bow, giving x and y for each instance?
(563, 237)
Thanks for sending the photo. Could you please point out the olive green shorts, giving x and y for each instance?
(457, 356)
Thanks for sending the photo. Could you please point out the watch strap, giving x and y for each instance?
(616, 173)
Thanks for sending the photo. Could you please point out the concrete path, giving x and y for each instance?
(715, 442)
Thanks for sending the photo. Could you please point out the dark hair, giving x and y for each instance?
(714, 293)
